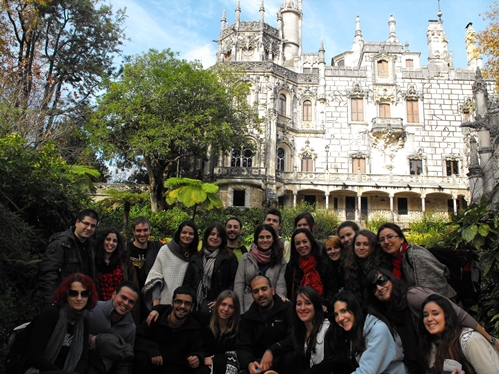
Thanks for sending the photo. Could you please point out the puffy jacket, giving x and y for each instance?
(62, 258)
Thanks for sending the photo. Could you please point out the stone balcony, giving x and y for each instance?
(384, 125)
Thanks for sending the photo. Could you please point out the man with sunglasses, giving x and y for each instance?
(172, 342)
(112, 331)
(68, 252)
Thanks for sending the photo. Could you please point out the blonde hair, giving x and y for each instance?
(233, 323)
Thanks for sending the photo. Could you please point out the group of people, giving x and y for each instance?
(358, 302)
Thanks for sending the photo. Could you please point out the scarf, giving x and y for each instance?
(54, 345)
(262, 257)
(397, 262)
(208, 265)
(102, 267)
(311, 276)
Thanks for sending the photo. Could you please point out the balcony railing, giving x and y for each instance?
(383, 125)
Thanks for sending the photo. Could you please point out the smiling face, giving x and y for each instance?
(333, 252)
(342, 316)
(390, 241)
(85, 228)
(383, 288)
(265, 240)
(110, 243)
(303, 245)
(141, 232)
(304, 309)
(124, 300)
(79, 302)
(434, 318)
(186, 236)
(346, 235)
(182, 306)
(274, 221)
(233, 229)
(362, 246)
(214, 240)
(226, 309)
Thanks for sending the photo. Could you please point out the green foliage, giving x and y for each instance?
(374, 221)
(430, 231)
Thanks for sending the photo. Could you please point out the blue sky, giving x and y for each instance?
(190, 26)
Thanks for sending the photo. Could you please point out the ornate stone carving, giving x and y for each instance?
(357, 91)
(385, 93)
(412, 93)
(307, 151)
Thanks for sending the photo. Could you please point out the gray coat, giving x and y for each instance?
(246, 271)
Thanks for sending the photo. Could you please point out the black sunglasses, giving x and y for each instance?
(381, 281)
(83, 294)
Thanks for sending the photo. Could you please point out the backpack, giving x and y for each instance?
(464, 274)
(16, 347)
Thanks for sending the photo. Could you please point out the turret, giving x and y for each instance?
(474, 59)
(392, 37)
(291, 14)
(262, 14)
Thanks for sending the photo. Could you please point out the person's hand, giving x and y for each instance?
(153, 316)
(157, 361)
(266, 362)
(193, 361)
(254, 368)
(92, 342)
(455, 372)
(208, 361)
(284, 298)
(324, 309)
(211, 305)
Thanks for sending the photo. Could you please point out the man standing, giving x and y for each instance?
(274, 219)
(68, 252)
(142, 254)
(172, 343)
(266, 322)
(234, 229)
(108, 322)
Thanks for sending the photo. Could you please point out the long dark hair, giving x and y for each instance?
(315, 249)
(355, 267)
(193, 247)
(394, 227)
(298, 329)
(348, 344)
(119, 254)
(449, 341)
(308, 217)
(221, 232)
(277, 250)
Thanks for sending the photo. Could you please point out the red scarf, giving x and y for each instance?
(311, 276)
(397, 262)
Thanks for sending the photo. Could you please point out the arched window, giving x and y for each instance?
(383, 68)
(241, 158)
(307, 163)
(281, 159)
(307, 110)
(282, 105)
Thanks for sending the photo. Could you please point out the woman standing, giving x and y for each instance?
(347, 231)
(366, 255)
(443, 338)
(415, 264)
(265, 257)
(213, 269)
(58, 341)
(307, 267)
(113, 262)
(334, 250)
(170, 266)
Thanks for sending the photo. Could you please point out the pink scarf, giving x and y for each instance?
(262, 257)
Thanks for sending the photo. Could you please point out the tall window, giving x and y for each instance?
(307, 163)
(409, 63)
(242, 158)
(307, 110)
(359, 165)
(412, 111)
(452, 167)
(415, 167)
(358, 109)
(238, 198)
(383, 68)
(403, 206)
(281, 159)
(282, 105)
(384, 110)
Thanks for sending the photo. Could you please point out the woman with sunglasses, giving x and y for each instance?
(402, 305)
(334, 250)
(58, 340)
(413, 263)
(366, 255)
(264, 257)
(442, 337)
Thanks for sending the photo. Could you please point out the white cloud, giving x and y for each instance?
(205, 54)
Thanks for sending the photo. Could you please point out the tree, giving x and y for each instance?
(127, 199)
(488, 41)
(161, 110)
(192, 193)
(53, 54)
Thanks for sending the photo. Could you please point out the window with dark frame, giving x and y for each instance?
(403, 207)
(281, 159)
(238, 198)
(415, 167)
(452, 167)
(282, 105)
(242, 158)
(307, 110)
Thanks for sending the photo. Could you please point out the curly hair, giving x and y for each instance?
(276, 249)
(315, 250)
(120, 251)
(61, 294)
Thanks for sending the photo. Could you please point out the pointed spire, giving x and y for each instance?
(439, 13)
(238, 11)
(300, 4)
(358, 32)
(262, 14)
(392, 38)
(321, 52)
(223, 21)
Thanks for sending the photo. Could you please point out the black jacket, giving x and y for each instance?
(224, 273)
(256, 334)
(174, 345)
(62, 258)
